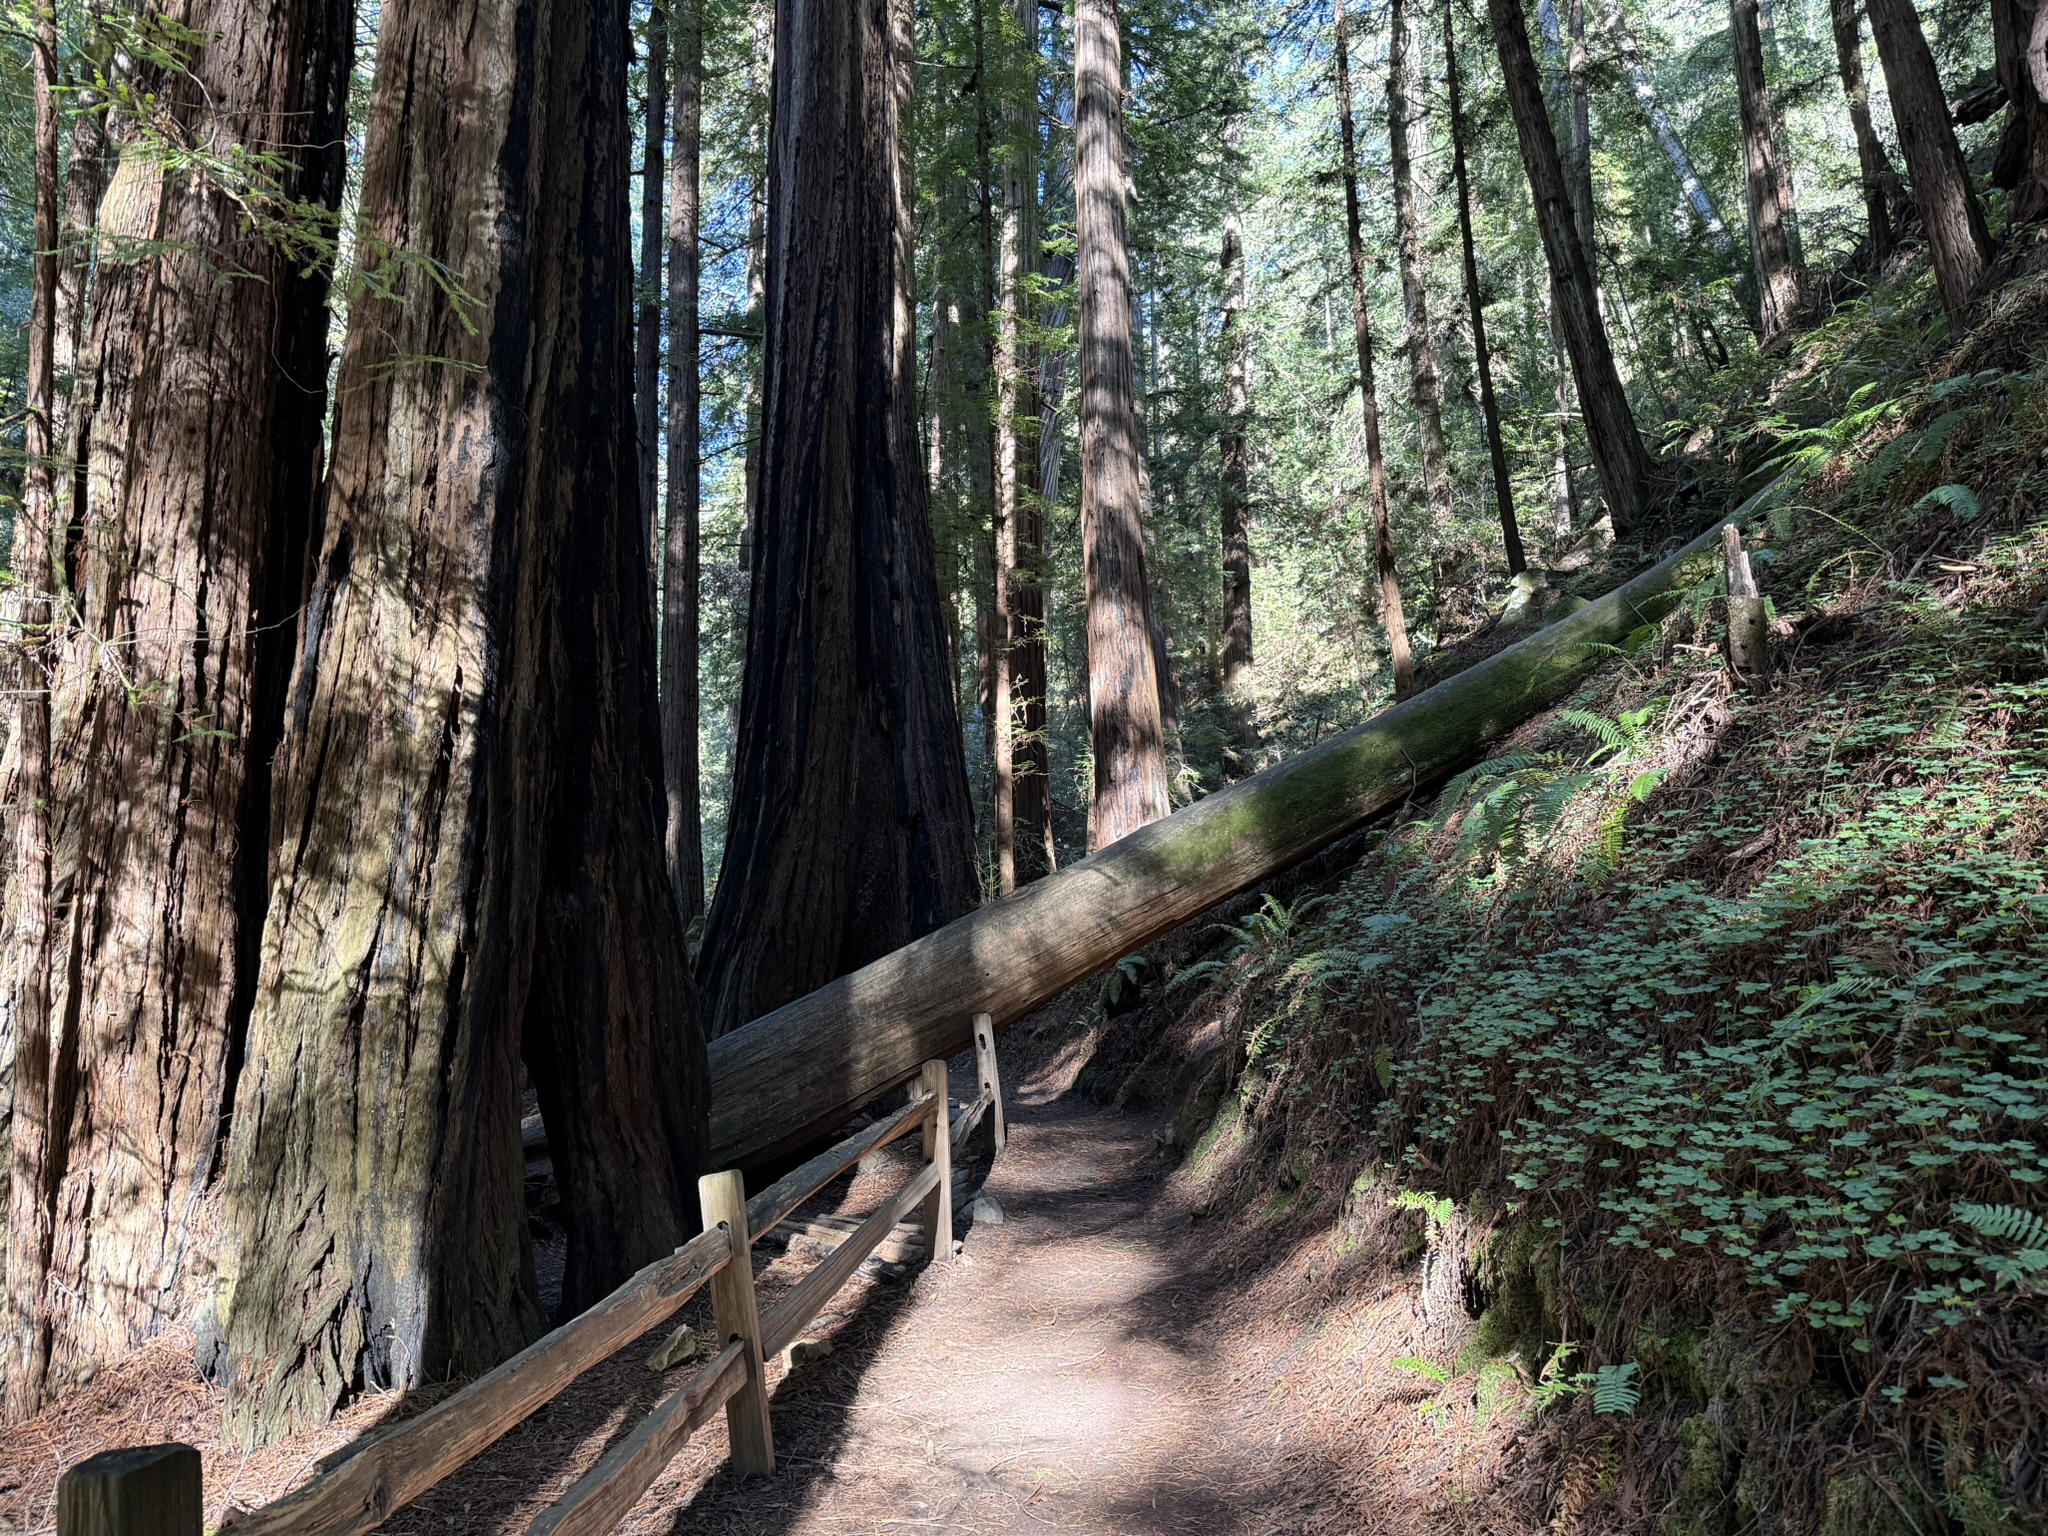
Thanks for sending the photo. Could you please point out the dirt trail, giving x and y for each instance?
(1037, 1382)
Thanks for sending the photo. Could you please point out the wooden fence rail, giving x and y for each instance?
(155, 1490)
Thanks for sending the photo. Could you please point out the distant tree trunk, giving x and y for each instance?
(1018, 452)
(1695, 190)
(1123, 680)
(1000, 336)
(1406, 139)
(850, 831)
(1956, 234)
(1618, 454)
(470, 865)
(2019, 34)
(761, 85)
(647, 354)
(37, 1122)
(939, 478)
(1234, 343)
(1777, 277)
(681, 694)
(197, 421)
(1392, 614)
(1579, 161)
(1475, 308)
(1883, 197)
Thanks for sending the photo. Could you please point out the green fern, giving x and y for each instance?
(1616, 1389)
(1428, 1369)
(1439, 1209)
(2004, 1223)
(1959, 499)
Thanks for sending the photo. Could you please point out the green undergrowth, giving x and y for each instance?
(1721, 1015)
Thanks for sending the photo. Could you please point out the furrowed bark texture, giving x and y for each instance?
(1123, 682)
(1407, 139)
(681, 550)
(1475, 307)
(647, 332)
(1234, 344)
(1623, 465)
(1770, 248)
(1957, 238)
(32, 1128)
(801, 1071)
(1000, 337)
(1579, 156)
(197, 419)
(1032, 760)
(1392, 615)
(1883, 197)
(851, 832)
(2019, 35)
(468, 863)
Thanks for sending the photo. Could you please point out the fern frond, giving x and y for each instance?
(1616, 1389)
(2004, 1223)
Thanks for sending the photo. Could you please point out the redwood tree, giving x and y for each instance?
(468, 864)
(1235, 508)
(1770, 245)
(1405, 141)
(1624, 466)
(196, 420)
(1956, 234)
(1123, 681)
(850, 832)
(1883, 197)
(1392, 615)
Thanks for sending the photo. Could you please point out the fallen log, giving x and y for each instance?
(791, 1075)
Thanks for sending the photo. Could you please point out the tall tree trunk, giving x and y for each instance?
(1883, 197)
(1696, 195)
(647, 338)
(1618, 454)
(850, 832)
(680, 691)
(761, 86)
(469, 864)
(1017, 448)
(1123, 681)
(2019, 35)
(1392, 614)
(1475, 308)
(1000, 335)
(1956, 234)
(1234, 342)
(197, 421)
(1777, 277)
(1406, 139)
(1579, 160)
(35, 1129)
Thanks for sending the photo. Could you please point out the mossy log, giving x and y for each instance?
(792, 1074)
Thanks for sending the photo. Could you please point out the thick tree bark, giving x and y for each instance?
(808, 1067)
(1883, 197)
(1957, 238)
(1579, 158)
(197, 420)
(1392, 614)
(850, 832)
(468, 866)
(1475, 308)
(1623, 465)
(36, 1119)
(647, 335)
(1123, 681)
(2019, 34)
(1696, 195)
(1406, 139)
(1232, 340)
(761, 85)
(1017, 450)
(680, 691)
(1770, 248)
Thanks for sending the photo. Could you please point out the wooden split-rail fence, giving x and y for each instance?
(156, 1490)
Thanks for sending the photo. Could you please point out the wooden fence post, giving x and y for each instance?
(1749, 630)
(991, 1080)
(142, 1490)
(723, 1197)
(938, 1150)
